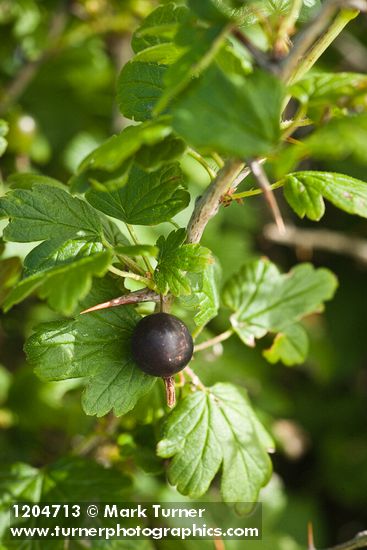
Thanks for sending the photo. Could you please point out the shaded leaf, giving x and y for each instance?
(61, 272)
(67, 480)
(323, 89)
(10, 270)
(109, 164)
(201, 45)
(232, 115)
(141, 81)
(289, 346)
(147, 198)
(218, 11)
(341, 138)
(153, 157)
(26, 180)
(159, 27)
(75, 479)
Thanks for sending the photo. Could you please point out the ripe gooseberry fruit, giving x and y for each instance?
(161, 345)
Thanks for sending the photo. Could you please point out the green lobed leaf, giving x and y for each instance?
(118, 148)
(213, 428)
(218, 11)
(140, 85)
(205, 294)
(159, 27)
(290, 346)
(304, 192)
(95, 346)
(264, 300)
(147, 198)
(168, 150)
(233, 61)
(341, 138)
(75, 479)
(200, 47)
(141, 81)
(46, 212)
(113, 234)
(323, 89)
(109, 164)
(305, 201)
(26, 180)
(68, 480)
(61, 272)
(231, 114)
(282, 7)
(175, 259)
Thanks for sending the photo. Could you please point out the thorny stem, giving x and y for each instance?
(298, 61)
(138, 296)
(262, 179)
(342, 19)
(213, 341)
(170, 391)
(208, 204)
(293, 69)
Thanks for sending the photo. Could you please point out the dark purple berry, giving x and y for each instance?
(161, 345)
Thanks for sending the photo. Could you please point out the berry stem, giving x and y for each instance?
(213, 341)
(170, 391)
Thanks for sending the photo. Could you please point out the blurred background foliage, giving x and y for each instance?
(58, 67)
